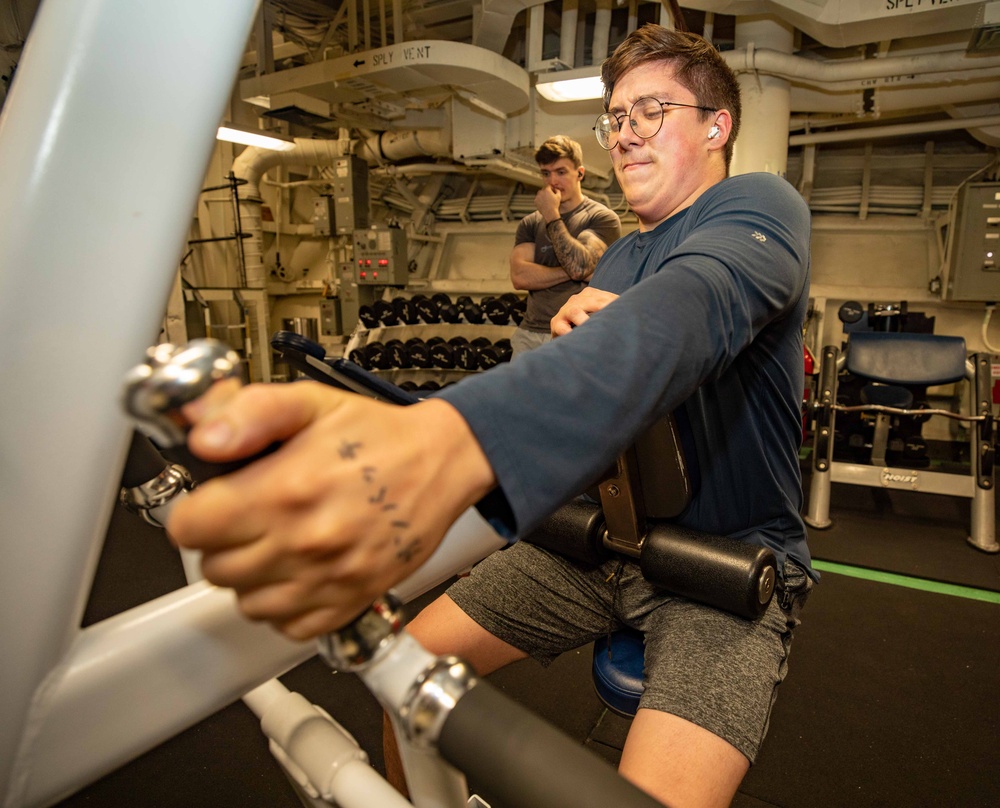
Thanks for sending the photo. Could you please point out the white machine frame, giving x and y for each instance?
(105, 137)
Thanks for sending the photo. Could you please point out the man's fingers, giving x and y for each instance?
(247, 422)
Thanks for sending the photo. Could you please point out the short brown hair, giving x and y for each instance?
(698, 66)
(557, 147)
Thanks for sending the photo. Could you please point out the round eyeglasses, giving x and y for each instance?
(645, 118)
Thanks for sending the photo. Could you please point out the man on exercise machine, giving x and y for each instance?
(700, 311)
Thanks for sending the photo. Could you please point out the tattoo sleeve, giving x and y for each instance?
(577, 257)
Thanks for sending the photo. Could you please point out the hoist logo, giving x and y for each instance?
(896, 477)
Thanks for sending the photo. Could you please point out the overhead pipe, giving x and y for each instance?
(829, 83)
(894, 130)
(798, 68)
(763, 140)
(819, 100)
(602, 32)
(567, 32)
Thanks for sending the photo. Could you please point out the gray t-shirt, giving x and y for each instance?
(588, 215)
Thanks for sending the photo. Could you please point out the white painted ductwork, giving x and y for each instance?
(856, 73)
(252, 163)
(872, 87)
(843, 23)
(492, 21)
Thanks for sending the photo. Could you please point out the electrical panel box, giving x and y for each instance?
(323, 216)
(329, 318)
(975, 253)
(350, 194)
(380, 257)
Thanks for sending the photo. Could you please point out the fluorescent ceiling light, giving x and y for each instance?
(251, 137)
(582, 84)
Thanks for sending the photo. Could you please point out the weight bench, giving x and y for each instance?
(649, 485)
(890, 365)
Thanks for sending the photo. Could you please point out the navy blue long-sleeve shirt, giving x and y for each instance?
(709, 319)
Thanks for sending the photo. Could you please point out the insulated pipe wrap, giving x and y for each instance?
(523, 762)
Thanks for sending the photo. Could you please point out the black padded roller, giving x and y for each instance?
(576, 530)
(719, 571)
(525, 762)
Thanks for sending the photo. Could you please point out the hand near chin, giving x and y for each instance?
(358, 495)
(547, 202)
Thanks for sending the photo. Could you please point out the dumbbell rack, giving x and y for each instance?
(425, 332)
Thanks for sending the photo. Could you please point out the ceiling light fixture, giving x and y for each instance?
(581, 84)
(251, 137)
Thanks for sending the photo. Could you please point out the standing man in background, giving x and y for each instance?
(558, 245)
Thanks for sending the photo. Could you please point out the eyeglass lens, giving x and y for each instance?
(645, 118)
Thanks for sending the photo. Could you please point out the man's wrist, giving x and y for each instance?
(553, 221)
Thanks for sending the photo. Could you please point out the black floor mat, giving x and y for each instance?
(891, 700)
(909, 533)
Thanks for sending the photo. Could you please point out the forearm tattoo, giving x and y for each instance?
(404, 546)
(578, 257)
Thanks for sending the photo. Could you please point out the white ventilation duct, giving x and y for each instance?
(492, 21)
(252, 163)
(841, 24)
(811, 71)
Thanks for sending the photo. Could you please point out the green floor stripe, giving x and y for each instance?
(904, 580)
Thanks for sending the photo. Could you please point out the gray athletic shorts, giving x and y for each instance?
(712, 668)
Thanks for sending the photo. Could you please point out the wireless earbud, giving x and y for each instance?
(713, 132)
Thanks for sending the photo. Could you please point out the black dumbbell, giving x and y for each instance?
(359, 356)
(427, 309)
(447, 310)
(515, 302)
(409, 386)
(466, 356)
(405, 310)
(368, 316)
(470, 310)
(378, 356)
(399, 354)
(496, 309)
(385, 313)
(518, 308)
(442, 354)
(503, 349)
(372, 356)
(451, 313)
(430, 385)
(488, 355)
(420, 356)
